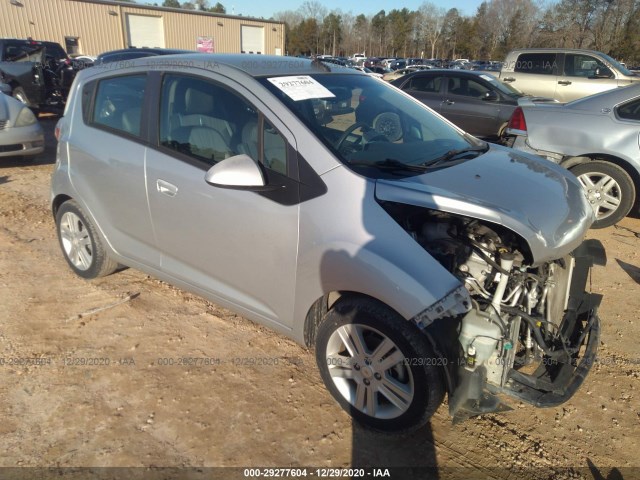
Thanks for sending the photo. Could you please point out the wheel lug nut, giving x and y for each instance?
(378, 376)
(366, 381)
(367, 361)
(356, 367)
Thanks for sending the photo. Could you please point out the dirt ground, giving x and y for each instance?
(235, 409)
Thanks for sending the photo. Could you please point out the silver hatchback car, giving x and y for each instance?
(339, 211)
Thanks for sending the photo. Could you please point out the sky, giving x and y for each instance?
(266, 9)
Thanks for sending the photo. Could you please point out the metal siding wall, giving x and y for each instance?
(99, 31)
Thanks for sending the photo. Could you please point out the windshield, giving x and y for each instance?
(370, 125)
(619, 66)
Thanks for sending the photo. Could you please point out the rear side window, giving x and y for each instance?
(118, 103)
(538, 63)
(425, 84)
(630, 111)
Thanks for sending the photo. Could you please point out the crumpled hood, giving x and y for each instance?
(537, 199)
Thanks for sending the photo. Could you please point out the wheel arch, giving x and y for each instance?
(634, 173)
(57, 201)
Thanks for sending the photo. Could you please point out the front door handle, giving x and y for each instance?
(449, 102)
(564, 82)
(167, 188)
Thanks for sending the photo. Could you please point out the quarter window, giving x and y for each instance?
(630, 111)
(118, 103)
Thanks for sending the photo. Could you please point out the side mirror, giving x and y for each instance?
(490, 96)
(602, 72)
(239, 171)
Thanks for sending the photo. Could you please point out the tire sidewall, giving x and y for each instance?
(428, 383)
(624, 181)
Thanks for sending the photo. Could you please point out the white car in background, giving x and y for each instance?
(20, 132)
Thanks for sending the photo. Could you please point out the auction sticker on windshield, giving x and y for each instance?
(301, 87)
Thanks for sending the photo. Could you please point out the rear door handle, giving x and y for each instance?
(564, 82)
(509, 79)
(167, 188)
(449, 102)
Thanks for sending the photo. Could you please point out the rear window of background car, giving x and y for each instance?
(540, 63)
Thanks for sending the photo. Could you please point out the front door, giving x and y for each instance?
(239, 247)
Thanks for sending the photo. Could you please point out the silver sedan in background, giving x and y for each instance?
(20, 132)
(596, 138)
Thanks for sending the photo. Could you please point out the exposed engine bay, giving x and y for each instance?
(532, 330)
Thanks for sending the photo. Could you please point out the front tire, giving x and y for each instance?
(379, 367)
(609, 188)
(81, 244)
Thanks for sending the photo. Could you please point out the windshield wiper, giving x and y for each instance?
(391, 165)
(452, 154)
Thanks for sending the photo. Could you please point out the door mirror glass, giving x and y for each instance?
(239, 171)
(602, 72)
(490, 96)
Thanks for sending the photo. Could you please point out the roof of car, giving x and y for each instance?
(126, 53)
(253, 64)
(606, 100)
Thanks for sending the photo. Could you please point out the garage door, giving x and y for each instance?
(145, 31)
(252, 39)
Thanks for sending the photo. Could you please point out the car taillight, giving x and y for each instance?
(57, 133)
(517, 121)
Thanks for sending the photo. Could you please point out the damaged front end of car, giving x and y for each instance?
(532, 330)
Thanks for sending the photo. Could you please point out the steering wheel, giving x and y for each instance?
(348, 132)
(388, 125)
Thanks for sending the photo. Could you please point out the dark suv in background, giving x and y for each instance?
(39, 73)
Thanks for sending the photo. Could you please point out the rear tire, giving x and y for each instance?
(610, 190)
(378, 366)
(81, 244)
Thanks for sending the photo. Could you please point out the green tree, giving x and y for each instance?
(171, 3)
(332, 32)
(378, 33)
(218, 8)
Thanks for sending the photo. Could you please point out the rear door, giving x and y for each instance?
(465, 106)
(428, 88)
(534, 74)
(107, 158)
